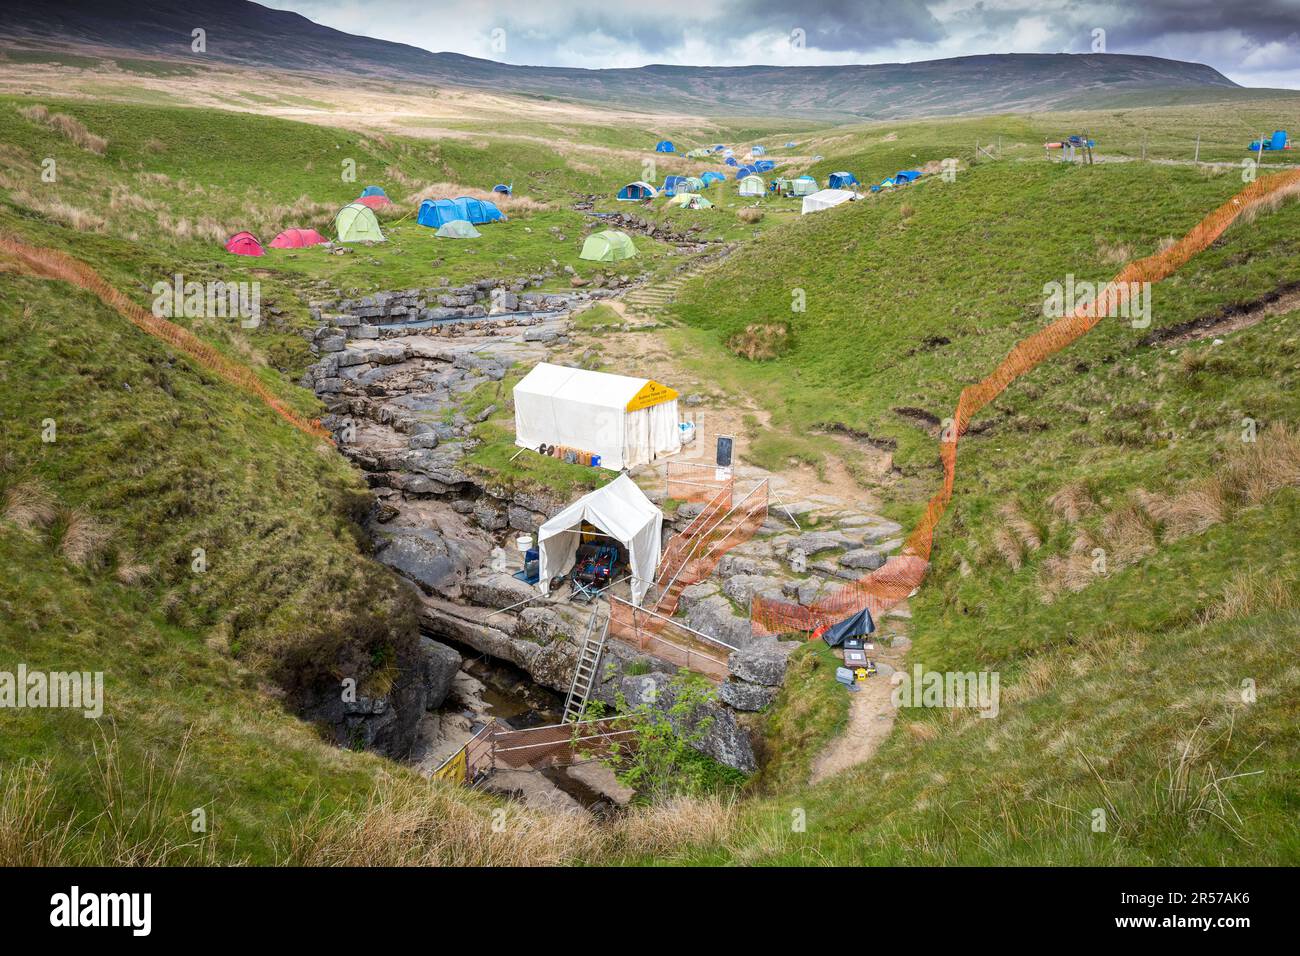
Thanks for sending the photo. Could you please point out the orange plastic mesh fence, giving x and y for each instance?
(902, 574)
(53, 264)
(697, 481)
(666, 640)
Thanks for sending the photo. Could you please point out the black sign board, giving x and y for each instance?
(725, 445)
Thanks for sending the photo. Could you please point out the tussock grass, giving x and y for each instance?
(69, 127)
(29, 505)
(80, 537)
(760, 342)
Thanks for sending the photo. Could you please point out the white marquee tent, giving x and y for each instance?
(626, 421)
(825, 199)
(621, 510)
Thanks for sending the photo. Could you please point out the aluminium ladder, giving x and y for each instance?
(584, 674)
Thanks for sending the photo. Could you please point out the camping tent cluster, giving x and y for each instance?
(900, 178)
(626, 421)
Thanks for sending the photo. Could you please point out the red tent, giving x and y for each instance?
(297, 239)
(245, 244)
(374, 202)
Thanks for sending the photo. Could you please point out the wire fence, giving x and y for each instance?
(903, 574)
(696, 481)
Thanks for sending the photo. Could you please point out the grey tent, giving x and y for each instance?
(859, 625)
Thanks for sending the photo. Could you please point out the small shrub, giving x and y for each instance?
(761, 342)
(750, 214)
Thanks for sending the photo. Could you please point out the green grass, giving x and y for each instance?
(810, 711)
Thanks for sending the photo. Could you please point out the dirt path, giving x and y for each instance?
(871, 718)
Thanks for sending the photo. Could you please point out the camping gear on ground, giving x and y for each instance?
(373, 191)
(457, 229)
(620, 510)
(530, 574)
(752, 186)
(375, 202)
(664, 146)
(638, 190)
(608, 246)
(841, 181)
(855, 653)
(297, 239)
(1277, 141)
(859, 624)
(826, 199)
(357, 223)
(845, 677)
(593, 570)
(244, 244)
(624, 421)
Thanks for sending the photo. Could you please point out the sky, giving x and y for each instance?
(1253, 42)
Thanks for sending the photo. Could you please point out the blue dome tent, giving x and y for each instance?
(711, 177)
(503, 188)
(744, 171)
(665, 146)
(732, 161)
(373, 191)
(633, 192)
(764, 165)
(841, 181)
(674, 183)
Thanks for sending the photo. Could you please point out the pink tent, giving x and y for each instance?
(245, 244)
(297, 239)
(374, 202)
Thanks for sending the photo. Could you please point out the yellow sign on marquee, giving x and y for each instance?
(652, 393)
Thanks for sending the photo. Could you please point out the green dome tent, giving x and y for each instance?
(457, 229)
(608, 246)
(357, 223)
(690, 201)
(696, 183)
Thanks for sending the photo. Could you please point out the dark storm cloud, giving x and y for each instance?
(840, 24)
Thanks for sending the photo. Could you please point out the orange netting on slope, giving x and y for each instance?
(52, 264)
(901, 575)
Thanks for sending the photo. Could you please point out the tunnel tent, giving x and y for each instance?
(477, 211)
(619, 509)
(373, 191)
(609, 245)
(636, 191)
(701, 153)
(841, 180)
(357, 223)
(457, 229)
(244, 244)
(437, 212)
(626, 421)
(752, 186)
(906, 176)
(826, 199)
(672, 184)
(665, 146)
(297, 239)
(690, 201)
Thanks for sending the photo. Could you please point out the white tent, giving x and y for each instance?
(626, 421)
(752, 186)
(621, 510)
(826, 199)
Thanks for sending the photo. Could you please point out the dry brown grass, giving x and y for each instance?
(1187, 512)
(81, 539)
(1030, 535)
(1113, 253)
(1010, 548)
(761, 341)
(1254, 470)
(906, 211)
(52, 207)
(1129, 535)
(923, 730)
(131, 571)
(66, 126)
(1252, 592)
(1072, 501)
(29, 834)
(511, 203)
(29, 505)
(750, 214)
(666, 828)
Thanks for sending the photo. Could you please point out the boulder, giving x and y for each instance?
(440, 666)
(715, 617)
(424, 556)
(763, 661)
(741, 588)
(862, 559)
(742, 695)
(497, 590)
